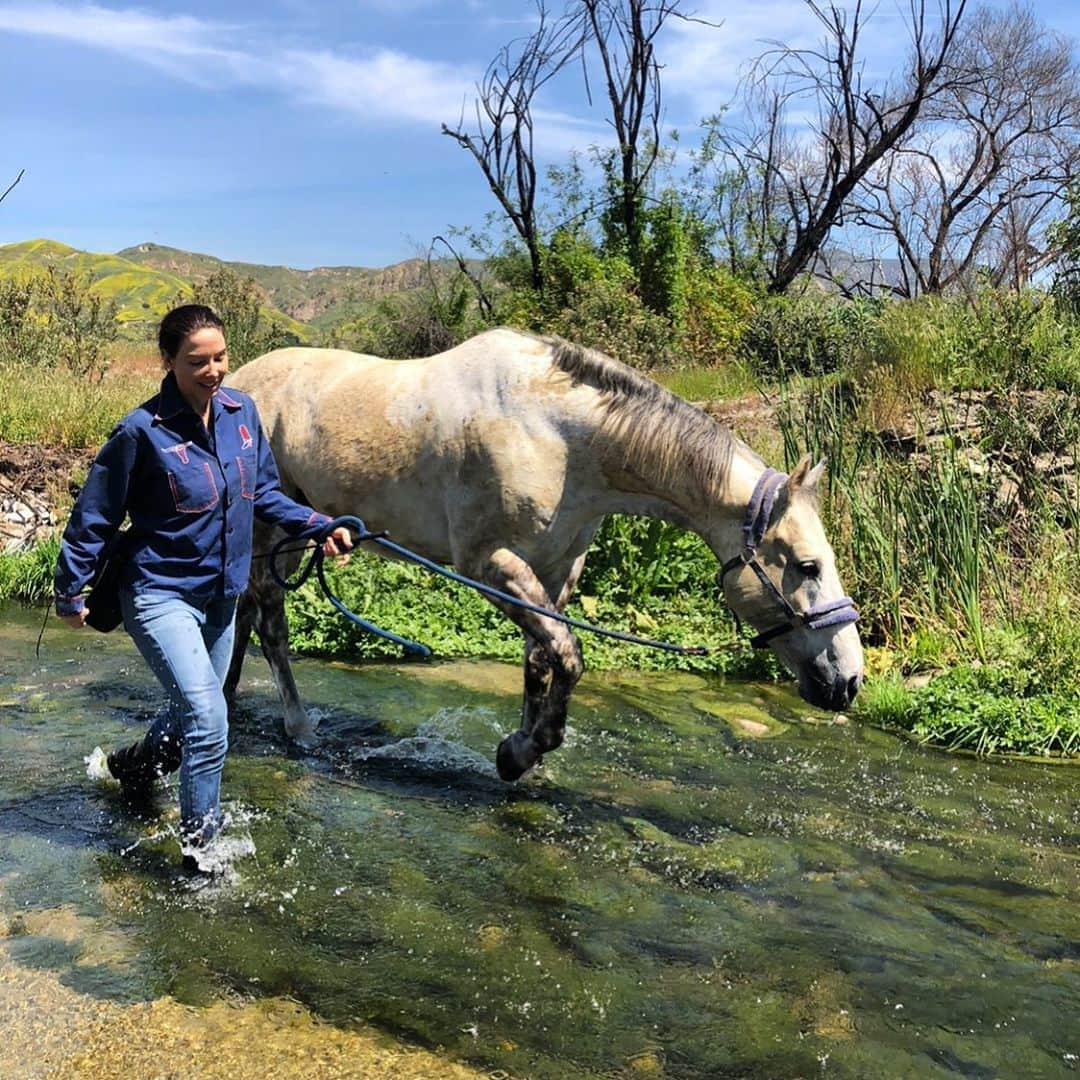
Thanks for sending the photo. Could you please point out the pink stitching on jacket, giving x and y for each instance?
(194, 509)
(246, 490)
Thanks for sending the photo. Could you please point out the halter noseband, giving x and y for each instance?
(758, 512)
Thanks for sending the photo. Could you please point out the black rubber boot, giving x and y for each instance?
(135, 772)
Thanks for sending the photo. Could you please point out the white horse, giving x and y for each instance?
(501, 457)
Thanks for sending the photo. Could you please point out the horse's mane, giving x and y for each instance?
(652, 422)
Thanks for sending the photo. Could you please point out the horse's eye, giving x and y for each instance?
(810, 568)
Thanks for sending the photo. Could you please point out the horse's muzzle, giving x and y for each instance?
(835, 694)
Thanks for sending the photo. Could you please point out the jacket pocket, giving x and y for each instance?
(193, 488)
(247, 477)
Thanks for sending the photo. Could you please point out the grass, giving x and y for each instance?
(28, 576)
(988, 710)
(721, 383)
(52, 406)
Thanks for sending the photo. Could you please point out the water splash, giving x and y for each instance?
(218, 857)
(97, 765)
(432, 752)
(441, 743)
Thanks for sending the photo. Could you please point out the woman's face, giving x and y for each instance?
(199, 365)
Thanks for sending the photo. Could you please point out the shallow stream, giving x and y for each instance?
(708, 880)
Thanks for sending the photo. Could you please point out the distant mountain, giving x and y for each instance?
(320, 298)
(143, 293)
(146, 280)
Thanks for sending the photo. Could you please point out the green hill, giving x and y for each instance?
(146, 280)
(142, 293)
(320, 298)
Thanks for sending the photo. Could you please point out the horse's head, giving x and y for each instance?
(785, 585)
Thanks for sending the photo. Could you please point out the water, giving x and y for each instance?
(706, 881)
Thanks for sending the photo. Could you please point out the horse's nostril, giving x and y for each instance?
(853, 687)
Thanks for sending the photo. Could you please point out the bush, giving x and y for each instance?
(999, 339)
(55, 318)
(590, 299)
(999, 709)
(250, 330)
(812, 334)
(81, 323)
(423, 322)
(607, 315)
(456, 621)
(719, 308)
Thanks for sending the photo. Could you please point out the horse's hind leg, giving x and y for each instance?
(263, 606)
(246, 614)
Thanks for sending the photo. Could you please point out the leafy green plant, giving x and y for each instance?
(810, 334)
(238, 301)
(57, 318)
(81, 323)
(28, 576)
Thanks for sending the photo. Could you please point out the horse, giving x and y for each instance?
(501, 457)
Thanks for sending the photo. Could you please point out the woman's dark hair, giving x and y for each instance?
(182, 321)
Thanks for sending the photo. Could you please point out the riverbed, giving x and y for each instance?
(707, 880)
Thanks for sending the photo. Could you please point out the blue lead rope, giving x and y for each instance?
(317, 563)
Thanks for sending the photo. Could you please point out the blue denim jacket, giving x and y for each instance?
(192, 496)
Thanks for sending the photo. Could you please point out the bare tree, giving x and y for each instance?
(791, 187)
(986, 171)
(502, 143)
(623, 33)
(11, 186)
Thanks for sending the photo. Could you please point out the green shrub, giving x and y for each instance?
(431, 319)
(250, 329)
(812, 334)
(56, 318)
(719, 308)
(635, 559)
(457, 622)
(987, 709)
(28, 576)
(606, 315)
(996, 340)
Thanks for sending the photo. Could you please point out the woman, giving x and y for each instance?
(192, 469)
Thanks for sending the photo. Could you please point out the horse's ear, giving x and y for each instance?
(804, 478)
(798, 474)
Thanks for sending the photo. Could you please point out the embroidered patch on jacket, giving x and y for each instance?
(180, 450)
(246, 441)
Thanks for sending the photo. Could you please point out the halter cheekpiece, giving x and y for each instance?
(758, 513)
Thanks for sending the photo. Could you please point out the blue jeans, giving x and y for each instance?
(187, 641)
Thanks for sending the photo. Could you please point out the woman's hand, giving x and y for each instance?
(76, 621)
(337, 544)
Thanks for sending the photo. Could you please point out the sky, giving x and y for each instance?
(307, 132)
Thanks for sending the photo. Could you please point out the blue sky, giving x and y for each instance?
(307, 132)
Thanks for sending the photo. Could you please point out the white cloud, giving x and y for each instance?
(386, 84)
(382, 85)
(179, 44)
(703, 64)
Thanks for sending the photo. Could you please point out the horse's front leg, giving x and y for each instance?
(553, 666)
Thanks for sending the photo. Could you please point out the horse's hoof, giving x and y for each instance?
(509, 763)
(304, 737)
(300, 728)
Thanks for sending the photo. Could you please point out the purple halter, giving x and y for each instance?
(758, 512)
